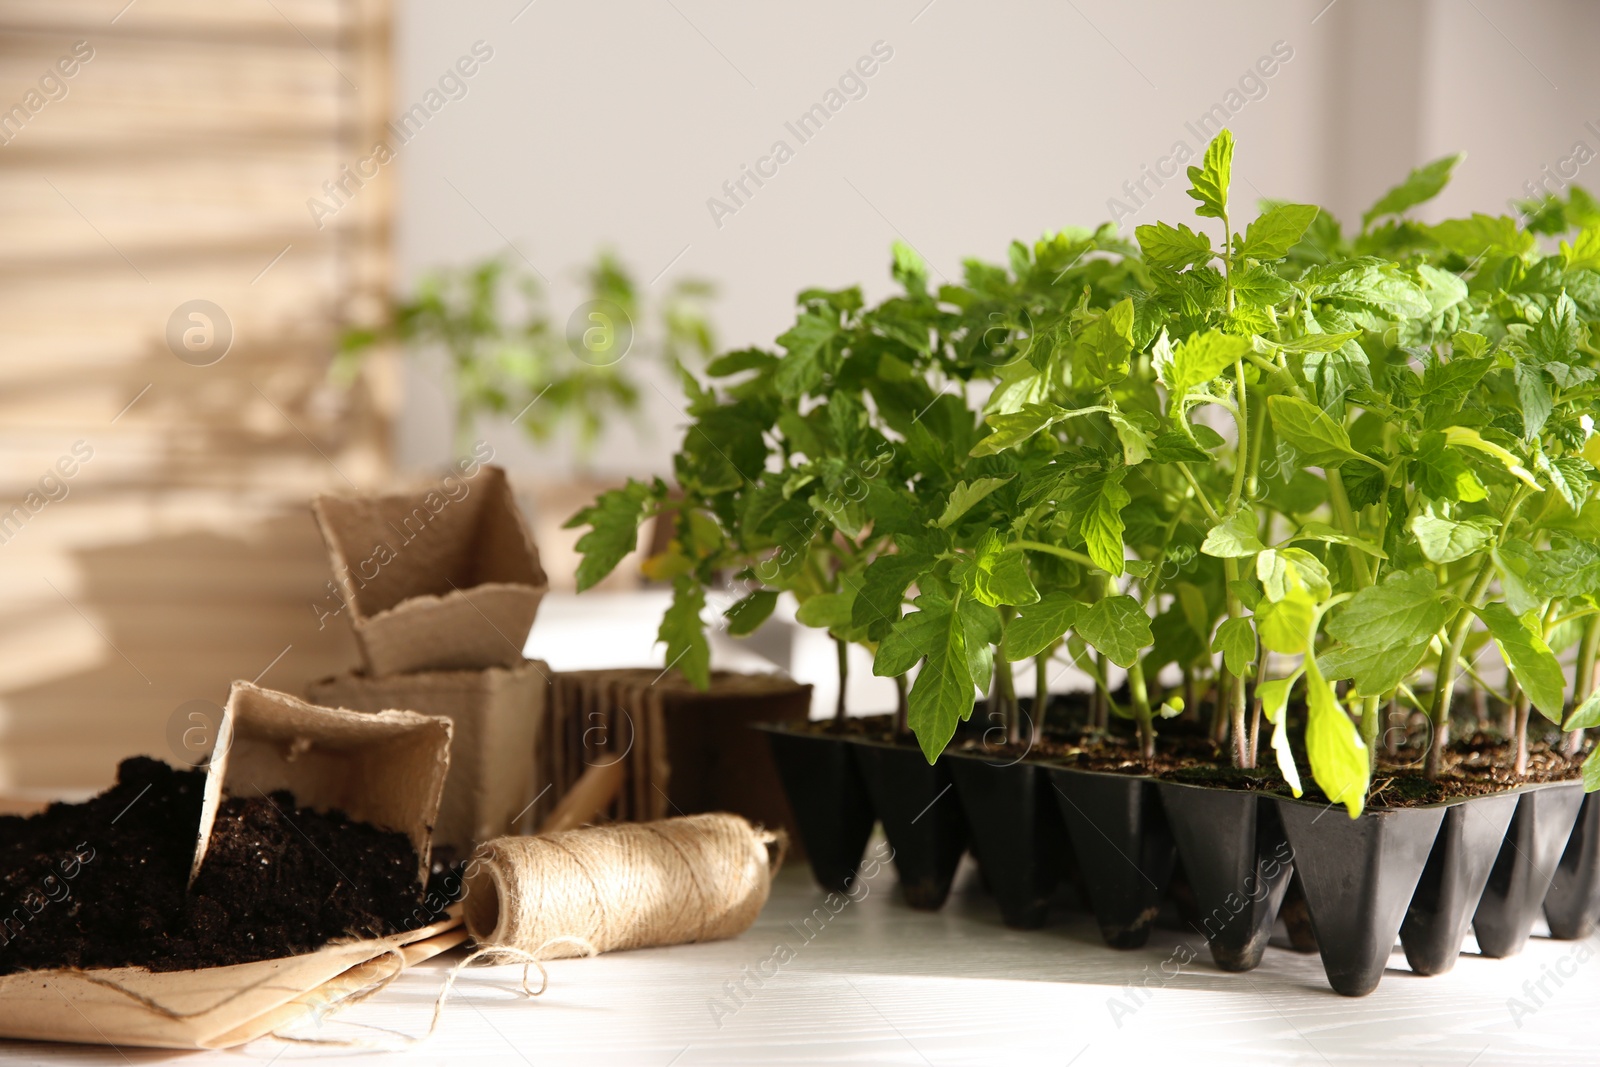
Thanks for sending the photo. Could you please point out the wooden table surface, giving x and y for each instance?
(877, 983)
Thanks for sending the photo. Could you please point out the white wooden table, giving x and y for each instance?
(881, 984)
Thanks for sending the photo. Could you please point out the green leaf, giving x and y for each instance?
(1445, 541)
(1104, 346)
(1013, 428)
(1375, 671)
(1533, 390)
(1566, 568)
(963, 498)
(1569, 476)
(883, 587)
(1313, 342)
(1443, 289)
(1280, 229)
(742, 360)
(1136, 444)
(1100, 525)
(684, 633)
(1474, 237)
(1584, 252)
(1236, 640)
(943, 693)
(801, 371)
(1274, 697)
(1591, 772)
(1403, 609)
(1462, 437)
(1285, 624)
(1321, 531)
(1585, 716)
(613, 521)
(995, 575)
(1421, 185)
(1234, 537)
(1442, 473)
(1210, 182)
(1338, 759)
(913, 637)
(750, 612)
(1118, 627)
(1522, 646)
(1040, 625)
(1200, 358)
(826, 611)
(1173, 248)
(1260, 287)
(1283, 571)
(1320, 441)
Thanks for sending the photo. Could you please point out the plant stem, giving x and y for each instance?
(1255, 706)
(900, 706)
(1445, 677)
(842, 651)
(1583, 684)
(1005, 687)
(1141, 711)
(1369, 729)
(1041, 692)
(1233, 686)
(1360, 566)
(1064, 553)
(1519, 723)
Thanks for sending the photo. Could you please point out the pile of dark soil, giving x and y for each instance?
(102, 883)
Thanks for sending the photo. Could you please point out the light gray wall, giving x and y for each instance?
(613, 123)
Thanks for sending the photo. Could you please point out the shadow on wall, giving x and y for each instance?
(185, 557)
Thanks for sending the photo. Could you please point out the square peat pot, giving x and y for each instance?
(1123, 848)
(386, 769)
(1018, 834)
(1452, 883)
(499, 716)
(1572, 907)
(1526, 866)
(1359, 877)
(832, 809)
(1237, 861)
(441, 578)
(922, 817)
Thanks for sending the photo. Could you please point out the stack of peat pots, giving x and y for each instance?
(1422, 874)
(441, 586)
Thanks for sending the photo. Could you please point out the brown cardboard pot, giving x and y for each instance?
(500, 716)
(386, 769)
(441, 578)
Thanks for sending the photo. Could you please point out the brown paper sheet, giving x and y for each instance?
(214, 1007)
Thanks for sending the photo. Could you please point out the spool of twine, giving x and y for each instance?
(625, 885)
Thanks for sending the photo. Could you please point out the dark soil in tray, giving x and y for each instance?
(1474, 766)
(102, 883)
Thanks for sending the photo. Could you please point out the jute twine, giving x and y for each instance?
(621, 886)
